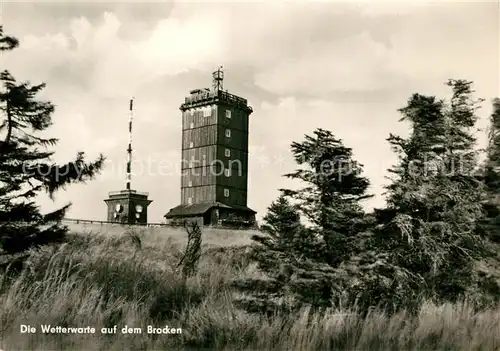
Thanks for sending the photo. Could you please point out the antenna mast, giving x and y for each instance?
(129, 150)
(217, 79)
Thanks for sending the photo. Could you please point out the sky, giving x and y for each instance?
(346, 67)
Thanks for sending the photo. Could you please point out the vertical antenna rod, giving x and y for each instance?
(129, 150)
(217, 79)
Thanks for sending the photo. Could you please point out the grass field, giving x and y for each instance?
(177, 236)
(103, 280)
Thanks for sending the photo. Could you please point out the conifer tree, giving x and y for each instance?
(491, 224)
(333, 190)
(429, 226)
(26, 168)
(493, 149)
(281, 224)
(301, 260)
(283, 236)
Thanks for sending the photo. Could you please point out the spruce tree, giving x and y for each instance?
(330, 200)
(491, 224)
(301, 261)
(281, 224)
(26, 168)
(283, 237)
(428, 232)
(331, 197)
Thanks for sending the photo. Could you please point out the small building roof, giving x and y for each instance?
(201, 208)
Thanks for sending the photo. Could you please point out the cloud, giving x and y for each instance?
(115, 66)
(344, 67)
(351, 64)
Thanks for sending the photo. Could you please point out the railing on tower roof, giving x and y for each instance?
(122, 192)
(205, 95)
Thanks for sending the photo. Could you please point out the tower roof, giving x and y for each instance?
(202, 97)
(201, 208)
(128, 194)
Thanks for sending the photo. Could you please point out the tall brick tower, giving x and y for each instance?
(214, 180)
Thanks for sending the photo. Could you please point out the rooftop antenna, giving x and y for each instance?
(217, 79)
(129, 150)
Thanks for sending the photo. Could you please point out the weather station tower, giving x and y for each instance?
(214, 164)
(128, 206)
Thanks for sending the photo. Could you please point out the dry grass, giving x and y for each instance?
(211, 237)
(102, 281)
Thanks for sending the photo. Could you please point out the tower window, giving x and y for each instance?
(191, 125)
(228, 133)
(190, 200)
(228, 113)
(226, 192)
(227, 172)
(207, 112)
(190, 183)
(227, 152)
(191, 144)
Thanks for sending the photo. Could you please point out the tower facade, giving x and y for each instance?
(128, 206)
(214, 177)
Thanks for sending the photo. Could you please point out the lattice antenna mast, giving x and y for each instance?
(129, 150)
(217, 79)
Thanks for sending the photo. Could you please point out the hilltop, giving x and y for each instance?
(212, 237)
(100, 280)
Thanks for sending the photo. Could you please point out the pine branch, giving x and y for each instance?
(26, 169)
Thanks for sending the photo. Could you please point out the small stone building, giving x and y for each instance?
(128, 207)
